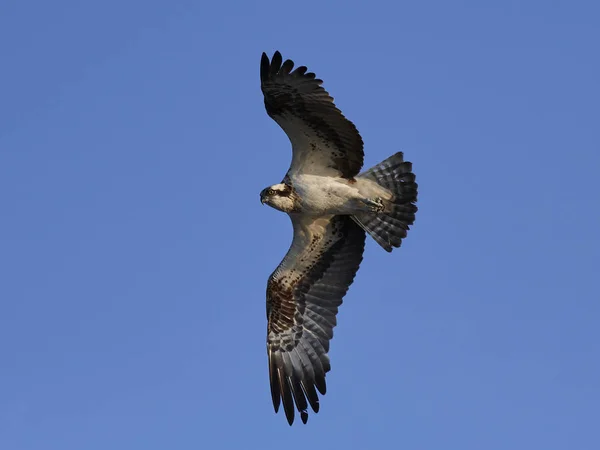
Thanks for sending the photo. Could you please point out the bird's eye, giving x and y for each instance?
(270, 192)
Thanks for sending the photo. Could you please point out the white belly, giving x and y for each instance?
(327, 195)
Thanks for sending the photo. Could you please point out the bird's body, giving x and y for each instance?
(322, 195)
(331, 206)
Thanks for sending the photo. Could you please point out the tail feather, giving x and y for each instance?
(390, 226)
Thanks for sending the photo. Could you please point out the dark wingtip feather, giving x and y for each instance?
(298, 394)
(264, 67)
(289, 414)
(304, 416)
(276, 61)
(287, 66)
(286, 396)
(301, 70)
(320, 384)
(311, 395)
(275, 387)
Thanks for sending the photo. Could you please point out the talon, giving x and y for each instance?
(375, 205)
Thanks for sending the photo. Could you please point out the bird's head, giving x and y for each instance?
(279, 196)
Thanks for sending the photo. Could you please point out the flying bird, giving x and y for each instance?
(331, 206)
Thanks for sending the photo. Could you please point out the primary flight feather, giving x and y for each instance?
(331, 206)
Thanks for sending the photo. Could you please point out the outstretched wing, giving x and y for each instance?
(323, 141)
(303, 296)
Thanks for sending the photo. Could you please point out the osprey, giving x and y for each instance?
(331, 207)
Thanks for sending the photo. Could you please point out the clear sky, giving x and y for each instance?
(134, 251)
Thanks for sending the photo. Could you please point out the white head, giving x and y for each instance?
(279, 196)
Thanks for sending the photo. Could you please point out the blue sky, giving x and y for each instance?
(134, 251)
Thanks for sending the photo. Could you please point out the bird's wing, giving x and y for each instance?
(303, 296)
(323, 141)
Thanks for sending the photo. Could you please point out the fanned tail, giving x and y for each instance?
(390, 226)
